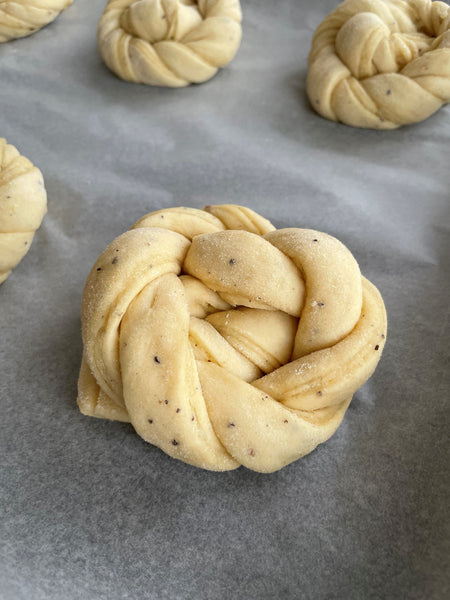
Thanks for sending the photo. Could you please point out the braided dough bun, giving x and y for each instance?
(381, 64)
(23, 204)
(169, 42)
(225, 341)
(19, 18)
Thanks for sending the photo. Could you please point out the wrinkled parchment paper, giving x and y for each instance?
(89, 511)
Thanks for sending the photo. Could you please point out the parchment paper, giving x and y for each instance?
(89, 511)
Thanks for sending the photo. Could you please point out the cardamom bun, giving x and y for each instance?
(381, 64)
(23, 204)
(169, 42)
(19, 18)
(224, 341)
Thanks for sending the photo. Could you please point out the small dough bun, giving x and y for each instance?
(19, 18)
(381, 64)
(169, 43)
(23, 204)
(224, 341)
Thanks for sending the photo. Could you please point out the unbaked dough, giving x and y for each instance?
(169, 42)
(23, 204)
(381, 64)
(224, 341)
(19, 18)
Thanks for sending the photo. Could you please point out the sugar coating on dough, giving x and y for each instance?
(19, 18)
(381, 64)
(227, 347)
(169, 43)
(23, 204)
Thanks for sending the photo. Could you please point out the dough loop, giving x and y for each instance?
(225, 341)
(381, 64)
(169, 42)
(23, 204)
(19, 18)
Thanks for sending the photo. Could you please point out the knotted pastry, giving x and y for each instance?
(19, 18)
(381, 63)
(169, 42)
(225, 341)
(23, 204)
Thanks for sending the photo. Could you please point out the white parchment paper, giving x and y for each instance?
(89, 511)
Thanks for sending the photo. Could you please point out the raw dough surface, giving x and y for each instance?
(19, 18)
(381, 64)
(227, 347)
(169, 43)
(23, 204)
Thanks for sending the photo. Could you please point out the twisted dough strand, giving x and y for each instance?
(19, 18)
(23, 204)
(227, 346)
(381, 63)
(169, 42)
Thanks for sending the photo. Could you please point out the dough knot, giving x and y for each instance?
(21, 18)
(23, 204)
(381, 63)
(169, 42)
(224, 341)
